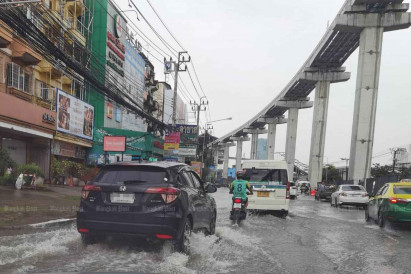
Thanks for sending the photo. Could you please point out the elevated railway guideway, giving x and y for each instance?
(358, 24)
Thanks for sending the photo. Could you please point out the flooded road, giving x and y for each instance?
(314, 238)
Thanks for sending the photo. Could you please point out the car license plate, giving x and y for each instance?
(263, 194)
(237, 205)
(122, 198)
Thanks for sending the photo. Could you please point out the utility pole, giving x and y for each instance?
(168, 66)
(394, 159)
(346, 167)
(197, 108)
(205, 142)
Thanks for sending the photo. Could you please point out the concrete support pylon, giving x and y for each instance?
(239, 152)
(322, 92)
(290, 143)
(238, 155)
(271, 141)
(226, 147)
(254, 146)
(216, 158)
(272, 127)
(366, 93)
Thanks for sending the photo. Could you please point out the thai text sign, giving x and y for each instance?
(172, 141)
(114, 143)
(74, 116)
(187, 150)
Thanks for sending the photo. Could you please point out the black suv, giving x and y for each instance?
(161, 200)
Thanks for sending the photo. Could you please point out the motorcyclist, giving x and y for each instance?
(305, 188)
(239, 187)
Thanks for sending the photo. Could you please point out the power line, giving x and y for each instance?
(172, 35)
(168, 46)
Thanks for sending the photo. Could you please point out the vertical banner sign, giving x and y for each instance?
(74, 116)
(171, 146)
(172, 141)
(196, 166)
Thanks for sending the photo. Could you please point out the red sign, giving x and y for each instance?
(114, 143)
(172, 138)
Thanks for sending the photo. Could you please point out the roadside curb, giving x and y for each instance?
(48, 224)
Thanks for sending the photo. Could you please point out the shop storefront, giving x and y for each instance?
(26, 131)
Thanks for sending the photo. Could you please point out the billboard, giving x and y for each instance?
(114, 143)
(188, 131)
(74, 116)
(187, 150)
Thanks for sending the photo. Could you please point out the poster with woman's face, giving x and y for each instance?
(88, 121)
(74, 116)
(63, 115)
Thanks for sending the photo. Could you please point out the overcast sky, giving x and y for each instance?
(246, 51)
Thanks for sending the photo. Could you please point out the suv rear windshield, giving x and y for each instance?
(129, 174)
(402, 190)
(352, 188)
(266, 175)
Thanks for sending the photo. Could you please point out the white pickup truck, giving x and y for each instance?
(271, 187)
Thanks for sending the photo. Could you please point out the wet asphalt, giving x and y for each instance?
(314, 238)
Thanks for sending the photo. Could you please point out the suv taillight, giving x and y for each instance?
(169, 194)
(288, 191)
(86, 190)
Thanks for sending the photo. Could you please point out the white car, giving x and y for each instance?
(350, 195)
(293, 191)
(271, 187)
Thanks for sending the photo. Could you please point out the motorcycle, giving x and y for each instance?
(238, 210)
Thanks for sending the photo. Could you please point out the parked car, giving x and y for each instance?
(158, 200)
(391, 203)
(293, 190)
(350, 195)
(324, 191)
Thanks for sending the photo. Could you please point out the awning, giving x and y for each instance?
(26, 130)
(73, 140)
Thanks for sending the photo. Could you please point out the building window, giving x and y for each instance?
(77, 88)
(44, 91)
(18, 78)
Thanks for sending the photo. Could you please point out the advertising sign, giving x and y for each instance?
(187, 150)
(171, 145)
(74, 116)
(172, 138)
(114, 143)
(196, 166)
(188, 131)
(109, 110)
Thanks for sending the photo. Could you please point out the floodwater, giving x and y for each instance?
(314, 238)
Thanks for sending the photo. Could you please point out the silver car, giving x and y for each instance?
(350, 195)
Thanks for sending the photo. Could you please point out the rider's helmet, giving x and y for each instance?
(240, 174)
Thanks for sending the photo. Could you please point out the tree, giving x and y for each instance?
(331, 173)
(5, 161)
(378, 171)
